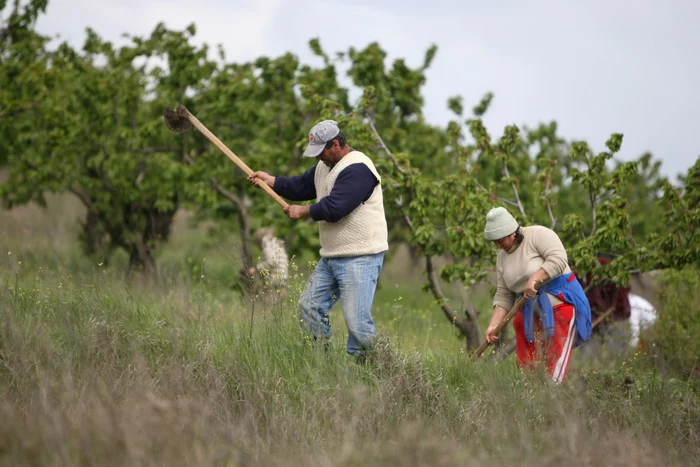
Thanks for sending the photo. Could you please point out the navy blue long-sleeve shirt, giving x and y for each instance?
(354, 185)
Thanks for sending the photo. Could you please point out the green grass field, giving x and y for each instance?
(96, 369)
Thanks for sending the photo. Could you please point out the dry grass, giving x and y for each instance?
(96, 370)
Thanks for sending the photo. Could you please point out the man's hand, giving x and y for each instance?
(256, 177)
(296, 212)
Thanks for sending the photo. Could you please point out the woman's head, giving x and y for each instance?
(501, 228)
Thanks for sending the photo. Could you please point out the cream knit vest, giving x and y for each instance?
(364, 230)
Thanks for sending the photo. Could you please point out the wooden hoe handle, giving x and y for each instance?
(504, 322)
(183, 112)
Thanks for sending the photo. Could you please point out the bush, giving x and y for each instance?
(677, 332)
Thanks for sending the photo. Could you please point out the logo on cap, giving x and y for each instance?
(311, 138)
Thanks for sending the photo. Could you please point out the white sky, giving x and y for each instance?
(596, 66)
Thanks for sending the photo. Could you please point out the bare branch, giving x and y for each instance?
(548, 203)
(478, 184)
(515, 191)
(386, 149)
(440, 296)
(82, 196)
(507, 201)
(602, 317)
(227, 194)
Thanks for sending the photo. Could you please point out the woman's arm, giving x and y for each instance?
(502, 302)
(498, 314)
(551, 249)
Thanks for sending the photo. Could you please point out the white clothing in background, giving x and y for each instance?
(642, 315)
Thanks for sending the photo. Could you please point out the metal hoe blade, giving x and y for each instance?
(175, 121)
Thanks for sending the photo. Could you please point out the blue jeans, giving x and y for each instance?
(352, 280)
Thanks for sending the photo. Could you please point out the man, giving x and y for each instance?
(352, 228)
(274, 267)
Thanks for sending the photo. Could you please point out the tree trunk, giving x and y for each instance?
(468, 326)
(94, 236)
(140, 257)
(471, 329)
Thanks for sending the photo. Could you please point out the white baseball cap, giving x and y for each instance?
(319, 135)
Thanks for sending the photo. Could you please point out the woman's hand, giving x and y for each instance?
(491, 338)
(498, 314)
(531, 287)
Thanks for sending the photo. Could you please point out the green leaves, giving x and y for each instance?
(614, 143)
(90, 122)
(455, 105)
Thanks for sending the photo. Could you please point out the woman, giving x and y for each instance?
(533, 263)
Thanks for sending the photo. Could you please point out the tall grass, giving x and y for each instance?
(99, 370)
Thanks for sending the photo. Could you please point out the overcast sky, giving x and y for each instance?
(595, 66)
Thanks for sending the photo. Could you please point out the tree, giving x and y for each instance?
(89, 122)
(95, 130)
(528, 172)
(23, 69)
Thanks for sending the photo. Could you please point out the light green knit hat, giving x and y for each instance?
(499, 224)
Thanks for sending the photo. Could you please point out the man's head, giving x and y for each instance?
(327, 143)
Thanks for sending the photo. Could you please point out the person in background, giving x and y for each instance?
(274, 265)
(642, 315)
(533, 262)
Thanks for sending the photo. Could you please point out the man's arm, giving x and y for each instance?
(297, 188)
(353, 187)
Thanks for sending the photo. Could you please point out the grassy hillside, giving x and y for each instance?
(96, 369)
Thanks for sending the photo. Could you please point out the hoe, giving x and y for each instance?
(181, 120)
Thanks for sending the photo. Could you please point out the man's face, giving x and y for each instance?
(327, 156)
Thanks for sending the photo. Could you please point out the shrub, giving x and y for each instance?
(677, 332)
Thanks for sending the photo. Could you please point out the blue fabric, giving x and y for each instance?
(353, 187)
(353, 281)
(573, 295)
(297, 188)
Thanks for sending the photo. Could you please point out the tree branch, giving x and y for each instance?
(434, 282)
(469, 326)
(548, 203)
(692, 233)
(82, 196)
(227, 194)
(386, 149)
(507, 201)
(515, 191)
(592, 198)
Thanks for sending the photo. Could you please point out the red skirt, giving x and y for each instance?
(554, 352)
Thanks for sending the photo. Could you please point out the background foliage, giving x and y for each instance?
(168, 364)
(89, 122)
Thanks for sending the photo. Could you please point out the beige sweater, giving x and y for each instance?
(540, 248)
(363, 231)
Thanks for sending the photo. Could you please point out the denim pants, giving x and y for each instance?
(352, 280)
